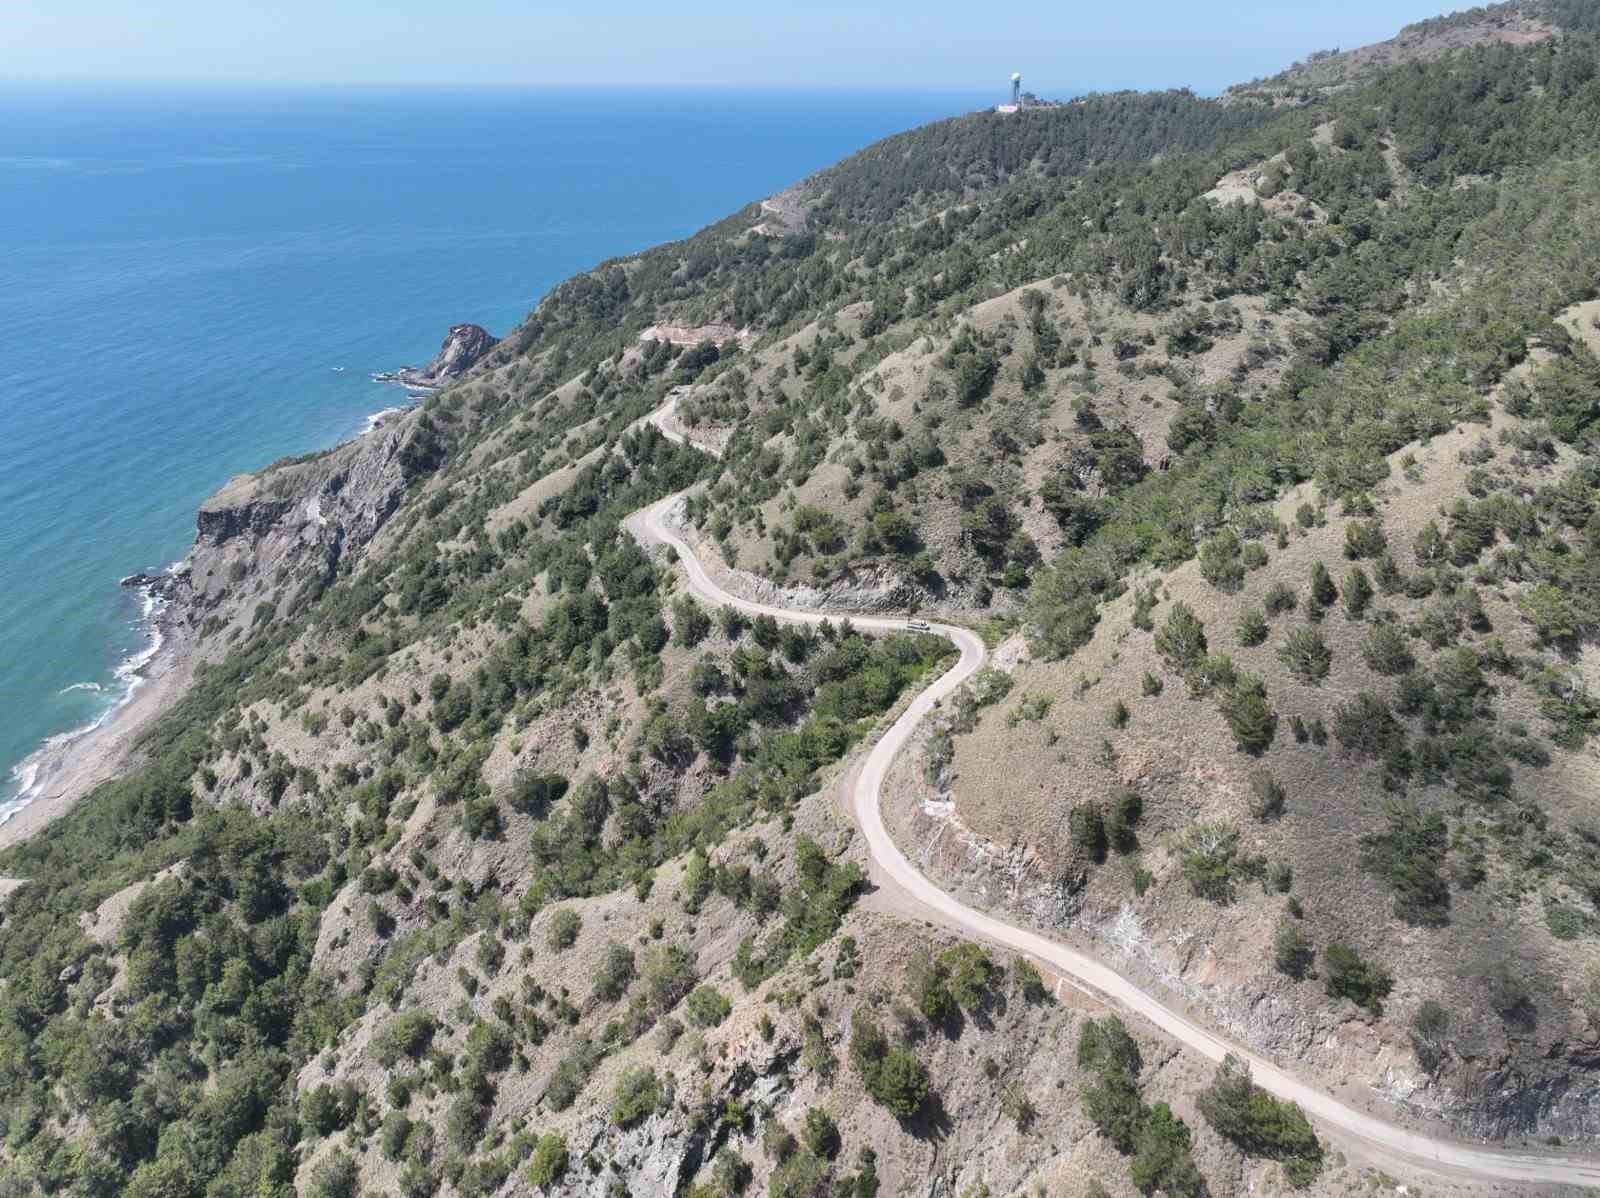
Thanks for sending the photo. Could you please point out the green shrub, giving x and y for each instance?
(821, 1133)
(336, 1176)
(1510, 992)
(1253, 627)
(325, 1109)
(465, 1119)
(1250, 717)
(1346, 975)
(1106, 1049)
(1357, 592)
(1364, 538)
(1104, 1045)
(1112, 1104)
(534, 794)
(407, 1034)
(1029, 982)
(690, 623)
(731, 1172)
(1323, 592)
(1409, 854)
(1366, 727)
(1017, 1106)
(1552, 613)
(1387, 650)
(802, 1175)
(1260, 1124)
(1122, 820)
(1214, 671)
(491, 953)
(1087, 828)
(1292, 951)
(562, 933)
(1156, 1139)
(1386, 572)
(893, 1076)
(1161, 1159)
(635, 1096)
(1144, 602)
(549, 1161)
(396, 1131)
(488, 1047)
(1306, 655)
(615, 972)
(1209, 852)
(1181, 641)
(1279, 598)
(707, 1007)
(669, 976)
(1430, 1029)
(1564, 922)
(1266, 796)
(1219, 561)
(970, 974)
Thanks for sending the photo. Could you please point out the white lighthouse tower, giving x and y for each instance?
(1016, 95)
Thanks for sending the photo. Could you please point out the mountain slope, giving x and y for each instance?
(480, 858)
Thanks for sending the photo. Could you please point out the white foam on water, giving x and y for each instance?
(377, 418)
(28, 776)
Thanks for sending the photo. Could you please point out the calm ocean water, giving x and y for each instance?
(195, 283)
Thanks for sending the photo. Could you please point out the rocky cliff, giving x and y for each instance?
(464, 346)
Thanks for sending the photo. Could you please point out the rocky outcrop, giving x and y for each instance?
(464, 347)
(662, 1154)
(677, 334)
(219, 522)
(165, 585)
(266, 536)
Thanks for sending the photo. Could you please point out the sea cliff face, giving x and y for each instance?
(264, 543)
(264, 536)
(464, 347)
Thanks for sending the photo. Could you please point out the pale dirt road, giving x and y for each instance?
(909, 893)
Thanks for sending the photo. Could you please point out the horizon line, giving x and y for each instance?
(79, 83)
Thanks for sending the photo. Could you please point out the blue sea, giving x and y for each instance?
(193, 283)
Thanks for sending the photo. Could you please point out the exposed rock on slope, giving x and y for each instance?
(718, 334)
(464, 346)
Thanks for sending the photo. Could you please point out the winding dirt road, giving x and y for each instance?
(912, 894)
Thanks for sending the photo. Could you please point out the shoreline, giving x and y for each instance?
(69, 765)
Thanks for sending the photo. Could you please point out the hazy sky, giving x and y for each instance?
(1058, 45)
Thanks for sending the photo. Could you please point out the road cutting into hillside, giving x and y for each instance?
(910, 893)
